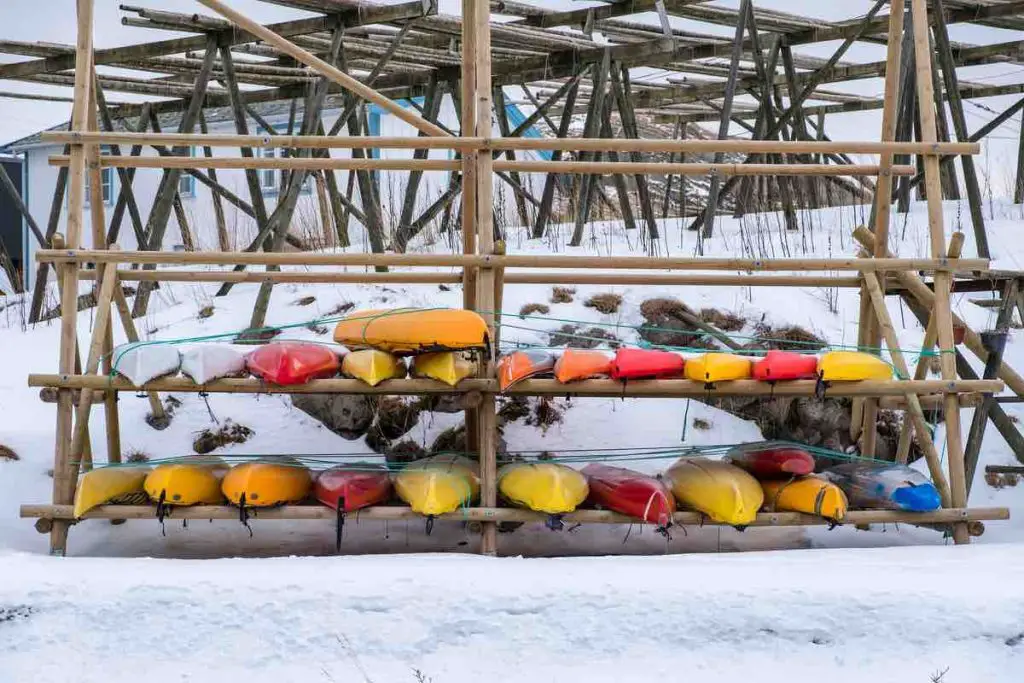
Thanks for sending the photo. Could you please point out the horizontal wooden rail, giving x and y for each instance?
(521, 166)
(479, 514)
(661, 388)
(514, 143)
(436, 277)
(509, 261)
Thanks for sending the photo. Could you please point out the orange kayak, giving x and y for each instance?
(413, 330)
(579, 364)
(520, 365)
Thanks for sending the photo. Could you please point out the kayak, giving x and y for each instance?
(520, 365)
(438, 484)
(885, 485)
(106, 485)
(771, 462)
(630, 493)
(723, 492)
(810, 495)
(782, 366)
(851, 366)
(450, 367)
(413, 330)
(267, 483)
(372, 366)
(717, 367)
(288, 363)
(543, 486)
(207, 362)
(196, 482)
(646, 364)
(141, 363)
(348, 488)
(579, 364)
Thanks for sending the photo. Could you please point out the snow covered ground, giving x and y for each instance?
(826, 603)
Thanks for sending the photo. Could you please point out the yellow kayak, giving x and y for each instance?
(372, 366)
(413, 330)
(187, 483)
(439, 484)
(266, 483)
(108, 484)
(723, 492)
(543, 486)
(851, 366)
(450, 367)
(810, 495)
(717, 367)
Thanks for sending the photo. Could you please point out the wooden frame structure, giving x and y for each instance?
(485, 268)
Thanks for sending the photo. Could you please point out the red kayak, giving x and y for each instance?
(772, 462)
(348, 488)
(646, 364)
(285, 363)
(780, 366)
(630, 493)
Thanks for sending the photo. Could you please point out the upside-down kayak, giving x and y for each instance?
(851, 366)
(438, 484)
(885, 485)
(450, 367)
(267, 483)
(782, 366)
(646, 364)
(141, 362)
(630, 493)
(193, 481)
(372, 366)
(348, 488)
(810, 495)
(579, 364)
(717, 367)
(723, 492)
(520, 365)
(542, 486)
(288, 363)
(109, 484)
(413, 330)
(207, 362)
(768, 461)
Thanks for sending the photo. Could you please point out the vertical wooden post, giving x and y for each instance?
(943, 281)
(547, 197)
(63, 481)
(218, 208)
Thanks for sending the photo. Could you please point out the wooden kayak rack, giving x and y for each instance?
(484, 269)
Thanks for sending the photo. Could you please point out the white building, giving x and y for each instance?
(40, 178)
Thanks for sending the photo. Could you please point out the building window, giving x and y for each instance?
(186, 182)
(268, 176)
(107, 180)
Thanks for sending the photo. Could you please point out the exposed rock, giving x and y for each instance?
(666, 324)
(376, 441)
(453, 440)
(404, 451)
(347, 415)
(396, 416)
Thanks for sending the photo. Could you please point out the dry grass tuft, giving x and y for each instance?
(530, 309)
(205, 312)
(340, 309)
(788, 338)
(562, 295)
(230, 432)
(606, 303)
(304, 301)
(7, 453)
(725, 321)
(136, 455)
(701, 424)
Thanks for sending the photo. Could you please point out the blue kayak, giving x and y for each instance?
(888, 486)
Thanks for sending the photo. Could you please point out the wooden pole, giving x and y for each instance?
(223, 241)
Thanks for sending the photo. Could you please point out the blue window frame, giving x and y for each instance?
(186, 182)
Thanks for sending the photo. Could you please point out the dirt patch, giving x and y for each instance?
(701, 424)
(304, 301)
(531, 309)
(575, 337)
(205, 312)
(7, 453)
(723, 320)
(787, 338)
(563, 295)
(230, 432)
(257, 336)
(606, 303)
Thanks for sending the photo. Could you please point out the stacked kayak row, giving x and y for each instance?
(750, 478)
(637, 364)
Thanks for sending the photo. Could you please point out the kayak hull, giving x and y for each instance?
(107, 484)
(885, 485)
(580, 364)
(630, 493)
(450, 367)
(772, 462)
(784, 366)
(372, 366)
(543, 486)
(723, 492)
(291, 363)
(187, 483)
(520, 365)
(353, 487)
(646, 364)
(809, 495)
(439, 484)
(718, 367)
(852, 366)
(411, 330)
(267, 484)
